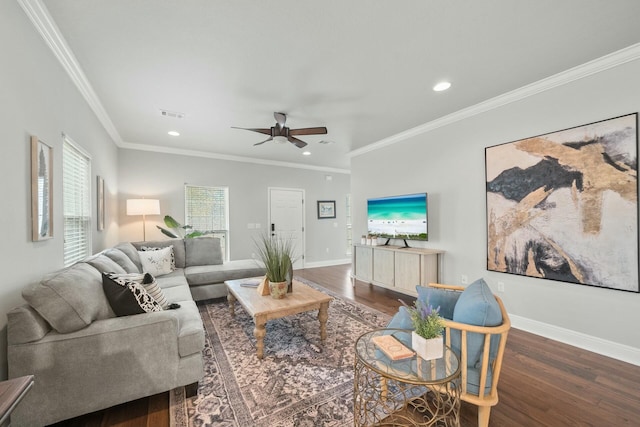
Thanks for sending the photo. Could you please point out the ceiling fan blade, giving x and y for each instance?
(266, 131)
(281, 118)
(308, 131)
(266, 140)
(297, 142)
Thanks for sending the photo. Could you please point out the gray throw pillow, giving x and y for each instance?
(203, 251)
(103, 264)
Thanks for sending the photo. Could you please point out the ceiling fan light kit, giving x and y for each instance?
(281, 133)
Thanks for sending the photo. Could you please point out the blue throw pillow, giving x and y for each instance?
(445, 299)
(476, 306)
(401, 320)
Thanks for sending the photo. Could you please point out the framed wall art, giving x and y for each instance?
(41, 190)
(100, 202)
(563, 205)
(326, 209)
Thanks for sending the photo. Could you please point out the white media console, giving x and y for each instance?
(395, 267)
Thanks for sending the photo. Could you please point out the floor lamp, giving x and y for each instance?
(143, 207)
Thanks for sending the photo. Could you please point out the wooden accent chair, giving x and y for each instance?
(485, 395)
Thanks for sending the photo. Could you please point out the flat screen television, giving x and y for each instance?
(398, 217)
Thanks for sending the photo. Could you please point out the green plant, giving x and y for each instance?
(179, 231)
(277, 254)
(426, 319)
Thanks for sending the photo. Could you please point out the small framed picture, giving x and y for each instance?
(326, 209)
(41, 190)
(100, 201)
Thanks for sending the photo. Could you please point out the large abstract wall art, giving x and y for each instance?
(564, 206)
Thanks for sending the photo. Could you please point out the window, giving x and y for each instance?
(76, 200)
(347, 210)
(207, 209)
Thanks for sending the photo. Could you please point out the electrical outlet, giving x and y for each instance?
(500, 286)
(464, 279)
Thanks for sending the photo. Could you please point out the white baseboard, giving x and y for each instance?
(328, 263)
(577, 339)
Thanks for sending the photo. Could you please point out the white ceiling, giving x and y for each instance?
(362, 68)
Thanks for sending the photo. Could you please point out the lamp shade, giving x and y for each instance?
(143, 207)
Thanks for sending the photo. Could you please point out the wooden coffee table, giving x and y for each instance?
(264, 308)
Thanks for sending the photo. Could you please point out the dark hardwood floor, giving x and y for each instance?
(543, 382)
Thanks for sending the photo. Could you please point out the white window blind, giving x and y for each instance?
(76, 199)
(207, 209)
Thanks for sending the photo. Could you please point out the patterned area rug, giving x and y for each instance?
(300, 382)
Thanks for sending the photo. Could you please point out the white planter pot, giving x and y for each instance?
(427, 349)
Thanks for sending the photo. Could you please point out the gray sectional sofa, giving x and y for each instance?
(85, 359)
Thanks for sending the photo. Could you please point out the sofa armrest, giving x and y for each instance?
(109, 362)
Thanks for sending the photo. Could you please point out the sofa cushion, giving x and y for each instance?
(476, 306)
(175, 278)
(438, 297)
(103, 264)
(127, 297)
(157, 261)
(191, 333)
(230, 270)
(202, 251)
(122, 260)
(178, 294)
(178, 248)
(70, 299)
(132, 252)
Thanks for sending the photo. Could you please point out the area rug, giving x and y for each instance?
(300, 382)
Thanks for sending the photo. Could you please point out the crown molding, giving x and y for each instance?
(612, 60)
(40, 18)
(209, 155)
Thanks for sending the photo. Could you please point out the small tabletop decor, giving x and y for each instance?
(426, 339)
(277, 255)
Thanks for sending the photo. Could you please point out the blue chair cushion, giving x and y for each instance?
(476, 306)
(445, 299)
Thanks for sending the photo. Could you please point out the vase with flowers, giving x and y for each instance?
(426, 339)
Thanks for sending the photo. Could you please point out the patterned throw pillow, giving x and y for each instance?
(127, 297)
(157, 261)
(151, 286)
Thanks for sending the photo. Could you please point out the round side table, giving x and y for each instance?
(405, 392)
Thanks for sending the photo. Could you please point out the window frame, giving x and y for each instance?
(224, 234)
(86, 215)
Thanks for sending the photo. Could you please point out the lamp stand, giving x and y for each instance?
(144, 229)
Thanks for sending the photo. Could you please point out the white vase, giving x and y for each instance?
(428, 349)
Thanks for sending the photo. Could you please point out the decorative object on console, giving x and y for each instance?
(326, 209)
(41, 190)
(564, 205)
(143, 207)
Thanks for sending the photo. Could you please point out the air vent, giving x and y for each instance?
(324, 141)
(173, 114)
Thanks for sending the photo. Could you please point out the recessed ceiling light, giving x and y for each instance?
(442, 86)
(173, 133)
(306, 153)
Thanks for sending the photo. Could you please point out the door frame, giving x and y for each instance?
(304, 216)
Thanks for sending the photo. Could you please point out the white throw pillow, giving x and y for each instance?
(157, 262)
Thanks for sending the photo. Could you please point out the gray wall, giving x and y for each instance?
(162, 176)
(448, 163)
(37, 98)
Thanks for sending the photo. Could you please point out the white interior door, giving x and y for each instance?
(286, 218)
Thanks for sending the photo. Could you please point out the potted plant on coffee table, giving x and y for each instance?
(277, 255)
(426, 339)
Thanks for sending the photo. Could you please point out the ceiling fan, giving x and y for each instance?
(280, 133)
